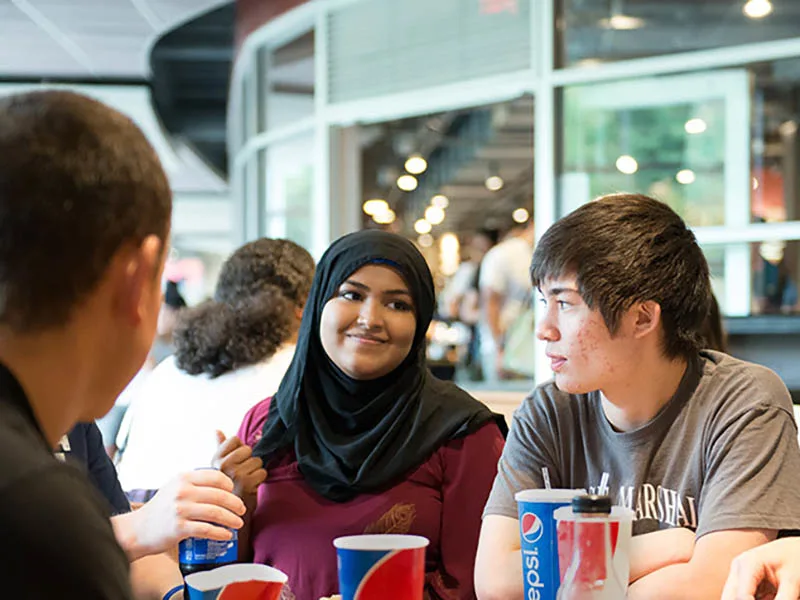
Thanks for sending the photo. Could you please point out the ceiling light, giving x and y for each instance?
(434, 215)
(494, 183)
(685, 176)
(755, 183)
(440, 200)
(422, 226)
(407, 183)
(627, 164)
(449, 253)
(757, 9)
(415, 164)
(622, 23)
(520, 215)
(425, 240)
(385, 217)
(375, 206)
(694, 126)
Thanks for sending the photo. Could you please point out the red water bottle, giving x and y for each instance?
(591, 574)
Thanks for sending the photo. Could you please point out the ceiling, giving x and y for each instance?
(87, 39)
(190, 76)
(182, 50)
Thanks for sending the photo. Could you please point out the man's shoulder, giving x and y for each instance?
(740, 384)
(21, 449)
(53, 514)
(547, 401)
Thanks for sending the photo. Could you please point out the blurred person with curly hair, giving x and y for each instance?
(230, 353)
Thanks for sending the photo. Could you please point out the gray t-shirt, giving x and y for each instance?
(722, 454)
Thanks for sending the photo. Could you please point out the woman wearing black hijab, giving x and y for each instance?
(360, 437)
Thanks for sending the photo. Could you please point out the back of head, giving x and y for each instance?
(78, 181)
(260, 289)
(627, 248)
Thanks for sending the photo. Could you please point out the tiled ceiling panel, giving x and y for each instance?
(87, 38)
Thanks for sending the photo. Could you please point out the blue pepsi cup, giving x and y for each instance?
(381, 567)
(539, 540)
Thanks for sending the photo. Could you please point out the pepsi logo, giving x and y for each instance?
(532, 528)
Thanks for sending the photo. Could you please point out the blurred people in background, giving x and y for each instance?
(164, 345)
(199, 503)
(230, 353)
(360, 438)
(460, 300)
(505, 290)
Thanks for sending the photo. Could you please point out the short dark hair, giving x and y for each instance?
(627, 248)
(78, 181)
(251, 314)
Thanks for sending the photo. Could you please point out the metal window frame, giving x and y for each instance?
(543, 80)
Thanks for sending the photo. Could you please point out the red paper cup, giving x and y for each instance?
(236, 582)
(381, 567)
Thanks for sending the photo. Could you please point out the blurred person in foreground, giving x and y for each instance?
(197, 503)
(231, 352)
(700, 445)
(769, 572)
(85, 212)
(360, 437)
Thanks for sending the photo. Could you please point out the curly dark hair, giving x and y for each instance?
(252, 312)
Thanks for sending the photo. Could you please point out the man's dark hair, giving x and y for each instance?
(253, 310)
(627, 248)
(78, 181)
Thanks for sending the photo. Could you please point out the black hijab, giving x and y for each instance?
(352, 437)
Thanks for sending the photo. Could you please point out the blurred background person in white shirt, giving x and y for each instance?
(230, 353)
(505, 287)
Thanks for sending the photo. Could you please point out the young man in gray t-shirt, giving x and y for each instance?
(703, 447)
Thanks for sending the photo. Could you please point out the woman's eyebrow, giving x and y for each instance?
(366, 288)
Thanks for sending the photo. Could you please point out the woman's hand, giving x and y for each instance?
(236, 460)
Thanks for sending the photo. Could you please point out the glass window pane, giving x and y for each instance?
(290, 226)
(286, 77)
(766, 272)
(609, 148)
(289, 190)
(721, 146)
(604, 31)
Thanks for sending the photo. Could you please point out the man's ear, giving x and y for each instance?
(646, 318)
(139, 278)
